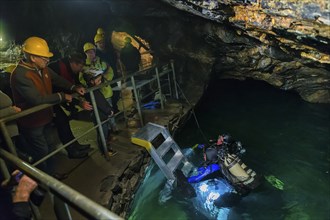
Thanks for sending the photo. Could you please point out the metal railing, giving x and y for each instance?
(89, 207)
(81, 203)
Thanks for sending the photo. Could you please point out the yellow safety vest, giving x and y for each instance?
(108, 74)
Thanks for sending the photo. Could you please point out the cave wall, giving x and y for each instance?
(284, 43)
(244, 44)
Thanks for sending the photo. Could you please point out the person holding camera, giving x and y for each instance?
(21, 197)
(16, 206)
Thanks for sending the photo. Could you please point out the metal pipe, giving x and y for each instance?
(91, 208)
(65, 145)
(7, 138)
(43, 106)
(174, 79)
(137, 100)
(61, 208)
(123, 103)
(4, 170)
(159, 89)
(120, 79)
(141, 71)
(98, 121)
(25, 112)
(169, 83)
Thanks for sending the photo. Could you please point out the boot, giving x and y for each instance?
(111, 139)
(81, 147)
(76, 154)
(112, 153)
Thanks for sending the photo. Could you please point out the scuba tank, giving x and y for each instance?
(231, 163)
(240, 173)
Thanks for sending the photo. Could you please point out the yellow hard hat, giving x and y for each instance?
(127, 40)
(100, 31)
(37, 46)
(98, 37)
(89, 46)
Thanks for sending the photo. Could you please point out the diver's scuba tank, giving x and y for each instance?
(231, 163)
(240, 172)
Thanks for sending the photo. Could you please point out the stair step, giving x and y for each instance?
(175, 161)
(164, 147)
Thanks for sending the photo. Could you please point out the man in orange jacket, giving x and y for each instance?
(32, 83)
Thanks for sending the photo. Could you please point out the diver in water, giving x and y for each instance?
(224, 154)
(220, 147)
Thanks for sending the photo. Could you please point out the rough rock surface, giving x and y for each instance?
(285, 43)
(118, 192)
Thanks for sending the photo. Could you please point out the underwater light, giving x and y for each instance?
(213, 196)
(203, 187)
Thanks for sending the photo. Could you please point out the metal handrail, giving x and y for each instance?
(120, 79)
(91, 208)
(43, 106)
(84, 204)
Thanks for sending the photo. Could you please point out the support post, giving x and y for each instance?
(4, 170)
(99, 123)
(7, 138)
(169, 83)
(174, 79)
(137, 99)
(159, 88)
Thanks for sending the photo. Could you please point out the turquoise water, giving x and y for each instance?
(284, 136)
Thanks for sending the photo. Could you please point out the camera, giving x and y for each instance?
(36, 197)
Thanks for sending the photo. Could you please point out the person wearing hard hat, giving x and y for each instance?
(95, 63)
(105, 51)
(31, 83)
(100, 45)
(69, 69)
(100, 31)
(130, 56)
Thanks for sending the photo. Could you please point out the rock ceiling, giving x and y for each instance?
(291, 48)
(300, 25)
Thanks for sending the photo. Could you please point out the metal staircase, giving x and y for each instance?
(159, 143)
